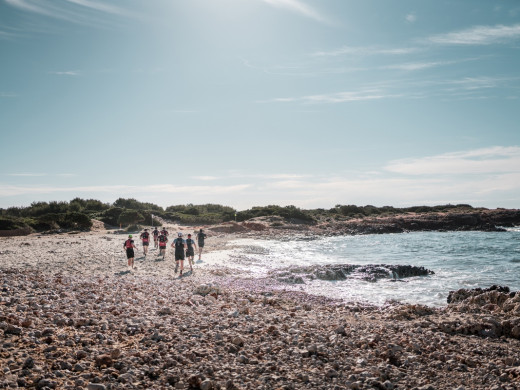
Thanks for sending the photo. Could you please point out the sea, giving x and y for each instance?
(458, 260)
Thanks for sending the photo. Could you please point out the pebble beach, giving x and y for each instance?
(74, 316)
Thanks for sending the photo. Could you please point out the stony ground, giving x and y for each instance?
(77, 325)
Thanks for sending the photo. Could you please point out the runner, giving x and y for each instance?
(145, 238)
(180, 245)
(129, 248)
(155, 237)
(165, 232)
(200, 238)
(190, 252)
(162, 245)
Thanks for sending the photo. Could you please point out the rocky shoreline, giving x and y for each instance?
(62, 332)
(72, 316)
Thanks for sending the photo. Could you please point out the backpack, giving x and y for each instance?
(128, 244)
(179, 245)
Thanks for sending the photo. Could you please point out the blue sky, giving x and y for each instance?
(255, 102)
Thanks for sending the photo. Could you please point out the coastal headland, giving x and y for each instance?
(74, 316)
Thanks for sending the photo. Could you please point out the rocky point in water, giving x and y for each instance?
(368, 272)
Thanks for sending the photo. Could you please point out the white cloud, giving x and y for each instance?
(366, 51)
(495, 160)
(337, 97)
(27, 174)
(206, 178)
(488, 177)
(479, 35)
(417, 65)
(28, 6)
(298, 7)
(67, 73)
(70, 10)
(98, 6)
(13, 190)
(411, 17)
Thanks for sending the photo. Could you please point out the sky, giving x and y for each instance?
(244, 103)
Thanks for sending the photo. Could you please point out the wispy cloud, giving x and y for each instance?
(366, 51)
(27, 174)
(298, 7)
(206, 178)
(5, 35)
(478, 177)
(337, 97)
(411, 17)
(99, 6)
(28, 5)
(13, 190)
(496, 160)
(411, 66)
(479, 35)
(7, 95)
(70, 10)
(66, 73)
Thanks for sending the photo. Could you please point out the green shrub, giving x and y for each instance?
(111, 216)
(130, 217)
(8, 223)
(76, 221)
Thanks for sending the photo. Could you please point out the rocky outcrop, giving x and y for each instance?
(486, 220)
(369, 272)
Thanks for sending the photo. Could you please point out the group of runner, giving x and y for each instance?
(184, 248)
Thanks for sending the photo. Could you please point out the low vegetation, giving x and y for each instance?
(79, 213)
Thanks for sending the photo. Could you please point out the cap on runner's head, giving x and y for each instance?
(145, 230)
(129, 236)
(180, 234)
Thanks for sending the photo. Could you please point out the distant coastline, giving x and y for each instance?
(131, 215)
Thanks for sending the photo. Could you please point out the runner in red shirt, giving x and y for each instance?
(162, 245)
(129, 247)
(145, 238)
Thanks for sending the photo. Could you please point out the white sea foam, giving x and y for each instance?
(459, 260)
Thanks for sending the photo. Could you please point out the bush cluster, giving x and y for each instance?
(78, 213)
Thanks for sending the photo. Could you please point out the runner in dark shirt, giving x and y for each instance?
(190, 250)
(129, 247)
(201, 236)
(180, 245)
(155, 237)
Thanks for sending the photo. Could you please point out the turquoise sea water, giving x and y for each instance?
(459, 260)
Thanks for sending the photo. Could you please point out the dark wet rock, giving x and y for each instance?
(96, 386)
(12, 329)
(463, 294)
(332, 272)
